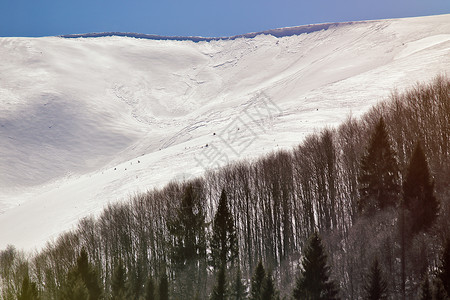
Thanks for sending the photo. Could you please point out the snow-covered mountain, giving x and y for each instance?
(91, 120)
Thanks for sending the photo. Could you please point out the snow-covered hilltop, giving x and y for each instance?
(279, 32)
(87, 121)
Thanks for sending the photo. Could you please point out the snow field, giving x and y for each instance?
(89, 121)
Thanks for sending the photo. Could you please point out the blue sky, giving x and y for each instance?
(195, 17)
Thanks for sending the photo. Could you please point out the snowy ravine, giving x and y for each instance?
(89, 121)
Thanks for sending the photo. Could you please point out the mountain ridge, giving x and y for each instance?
(278, 32)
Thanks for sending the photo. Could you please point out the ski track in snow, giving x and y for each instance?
(93, 120)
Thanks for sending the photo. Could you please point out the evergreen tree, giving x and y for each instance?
(379, 177)
(239, 290)
(224, 248)
(219, 291)
(439, 292)
(188, 233)
(118, 283)
(425, 290)
(150, 289)
(135, 283)
(29, 290)
(444, 268)
(188, 229)
(376, 286)
(75, 289)
(418, 193)
(257, 282)
(268, 291)
(83, 278)
(89, 276)
(314, 280)
(163, 288)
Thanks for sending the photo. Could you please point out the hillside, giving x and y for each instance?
(88, 121)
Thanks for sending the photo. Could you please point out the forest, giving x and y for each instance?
(361, 211)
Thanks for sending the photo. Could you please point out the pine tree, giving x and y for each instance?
(425, 290)
(164, 288)
(224, 248)
(376, 285)
(118, 283)
(444, 268)
(379, 177)
(314, 280)
(418, 193)
(219, 291)
(257, 282)
(239, 290)
(150, 289)
(29, 290)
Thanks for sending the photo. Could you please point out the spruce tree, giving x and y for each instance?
(83, 278)
(188, 229)
(135, 283)
(188, 238)
(238, 289)
(439, 292)
(163, 288)
(379, 176)
(74, 290)
(29, 290)
(444, 268)
(219, 291)
(418, 193)
(150, 289)
(314, 280)
(376, 285)
(224, 248)
(118, 283)
(425, 290)
(268, 291)
(257, 282)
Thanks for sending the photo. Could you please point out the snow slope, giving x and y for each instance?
(88, 121)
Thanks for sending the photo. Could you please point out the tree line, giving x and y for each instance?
(365, 205)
